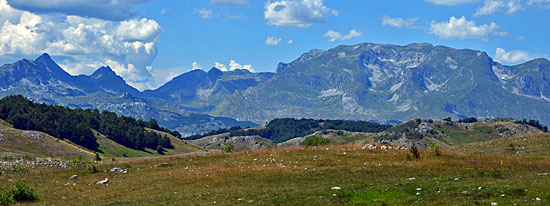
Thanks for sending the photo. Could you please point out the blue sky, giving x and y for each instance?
(149, 41)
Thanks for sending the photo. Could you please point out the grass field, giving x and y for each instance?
(300, 176)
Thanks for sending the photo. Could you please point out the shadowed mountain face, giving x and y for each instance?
(363, 82)
(44, 81)
(202, 91)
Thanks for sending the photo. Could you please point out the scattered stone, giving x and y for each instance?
(465, 192)
(418, 193)
(537, 199)
(412, 178)
(494, 204)
(116, 169)
(457, 179)
(32, 135)
(335, 188)
(334, 195)
(103, 182)
(240, 199)
(419, 189)
(74, 176)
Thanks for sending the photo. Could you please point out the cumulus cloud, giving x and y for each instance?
(514, 56)
(295, 13)
(230, 3)
(273, 41)
(337, 36)
(460, 28)
(452, 2)
(290, 42)
(203, 13)
(220, 66)
(399, 22)
(103, 9)
(493, 6)
(84, 44)
(233, 65)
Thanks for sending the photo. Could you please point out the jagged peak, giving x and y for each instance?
(102, 72)
(44, 58)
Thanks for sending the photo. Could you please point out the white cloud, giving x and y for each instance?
(539, 3)
(515, 56)
(335, 13)
(452, 2)
(220, 66)
(196, 65)
(233, 65)
(230, 3)
(83, 44)
(273, 41)
(295, 13)
(203, 13)
(290, 42)
(399, 22)
(337, 36)
(521, 38)
(138, 30)
(493, 6)
(103, 9)
(460, 28)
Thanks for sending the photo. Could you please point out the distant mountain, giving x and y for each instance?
(42, 80)
(375, 82)
(202, 91)
(390, 82)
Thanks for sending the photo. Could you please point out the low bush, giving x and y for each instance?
(315, 141)
(21, 193)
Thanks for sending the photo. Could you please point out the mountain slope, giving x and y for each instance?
(42, 80)
(390, 82)
(202, 91)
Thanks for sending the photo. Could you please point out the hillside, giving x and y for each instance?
(530, 145)
(36, 145)
(329, 175)
(448, 133)
(421, 132)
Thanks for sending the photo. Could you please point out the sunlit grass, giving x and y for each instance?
(300, 176)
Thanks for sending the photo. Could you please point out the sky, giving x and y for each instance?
(148, 42)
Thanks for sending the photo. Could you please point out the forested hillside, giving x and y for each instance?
(280, 130)
(76, 125)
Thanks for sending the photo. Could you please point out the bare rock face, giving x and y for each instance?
(1, 137)
(32, 135)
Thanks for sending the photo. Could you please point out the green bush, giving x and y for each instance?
(436, 149)
(315, 141)
(21, 193)
(228, 147)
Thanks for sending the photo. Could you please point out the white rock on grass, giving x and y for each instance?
(335, 188)
(494, 204)
(103, 182)
(116, 169)
(74, 176)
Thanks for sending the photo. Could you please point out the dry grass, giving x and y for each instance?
(300, 176)
(532, 145)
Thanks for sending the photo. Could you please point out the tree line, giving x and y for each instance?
(280, 130)
(77, 125)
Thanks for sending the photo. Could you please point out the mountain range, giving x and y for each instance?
(378, 82)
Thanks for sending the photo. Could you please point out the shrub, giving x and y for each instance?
(97, 158)
(160, 150)
(228, 147)
(315, 141)
(414, 151)
(435, 148)
(21, 193)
